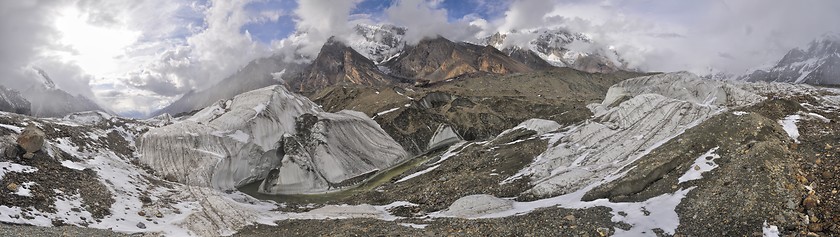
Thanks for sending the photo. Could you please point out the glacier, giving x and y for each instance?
(270, 133)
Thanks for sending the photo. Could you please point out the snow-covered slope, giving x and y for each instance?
(560, 48)
(379, 43)
(12, 101)
(270, 132)
(818, 64)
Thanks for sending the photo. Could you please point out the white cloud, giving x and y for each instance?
(320, 20)
(149, 52)
(425, 19)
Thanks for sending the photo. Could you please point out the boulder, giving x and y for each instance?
(31, 140)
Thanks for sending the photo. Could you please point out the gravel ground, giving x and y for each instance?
(8, 230)
(546, 222)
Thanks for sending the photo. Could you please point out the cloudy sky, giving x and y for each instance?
(134, 57)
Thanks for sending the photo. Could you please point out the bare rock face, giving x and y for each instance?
(338, 64)
(439, 59)
(31, 140)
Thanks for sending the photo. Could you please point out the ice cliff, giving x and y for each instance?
(270, 133)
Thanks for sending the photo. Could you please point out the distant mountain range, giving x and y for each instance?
(816, 64)
(43, 99)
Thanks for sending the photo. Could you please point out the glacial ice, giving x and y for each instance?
(269, 133)
(654, 108)
(443, 136)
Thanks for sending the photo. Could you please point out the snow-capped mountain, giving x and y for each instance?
(818, 64)
(378, 43)
(257, 74)
(12, 101)
(560, 48)
(47, 100)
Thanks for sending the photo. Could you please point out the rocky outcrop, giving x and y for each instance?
(271, 134)
(439, 59)
(338, 64)
(31, 140)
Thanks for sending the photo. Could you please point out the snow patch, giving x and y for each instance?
(702, 164)
(411, 176)
(13, 128)
(769, 230)
(25, 189)
(789, 125)
(6, 167)
(72, 165)
(415, 226)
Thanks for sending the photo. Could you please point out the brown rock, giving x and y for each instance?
(141, 213)
(827, 174)
(12, 187)
(31, 140)
(811, 201)
(816, 227)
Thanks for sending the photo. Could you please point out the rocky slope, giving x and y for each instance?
(817, 64)
(338, 64)
(12, 101)
(476, 108)
(656, 151)
(665, 154)
(438, 59)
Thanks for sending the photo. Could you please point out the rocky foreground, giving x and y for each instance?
(667, 154)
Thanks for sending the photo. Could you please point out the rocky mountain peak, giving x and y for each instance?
(818, 63)
(337, 64)
(558, 47)
(378, 42)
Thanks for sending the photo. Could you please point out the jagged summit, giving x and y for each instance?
(378, 43)
(558, 47)
(817, 64)
(338, 64)
(47, 100)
